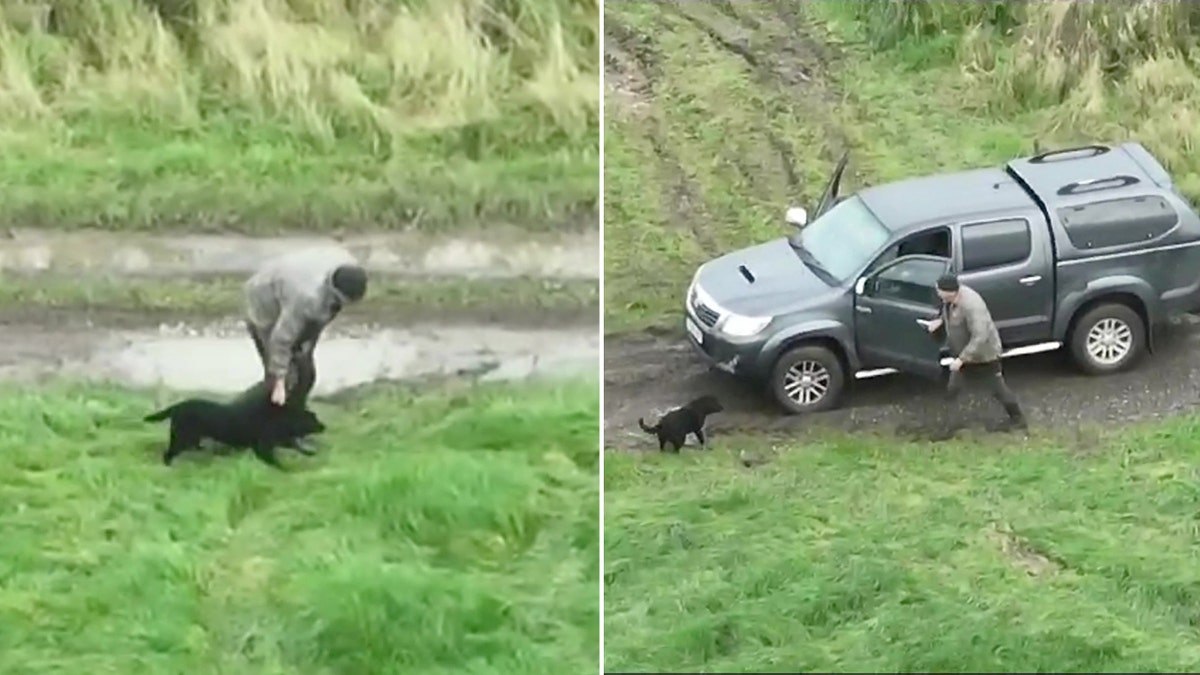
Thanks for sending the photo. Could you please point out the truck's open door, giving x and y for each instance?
(833, 188)
(891, 305)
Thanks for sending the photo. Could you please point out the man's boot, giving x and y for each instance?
(1015, 420)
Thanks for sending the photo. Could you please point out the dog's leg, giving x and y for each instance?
(178, 443)
(266, 453)
(700, 437)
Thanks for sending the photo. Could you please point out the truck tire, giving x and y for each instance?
(807, 379)
(1107, 339)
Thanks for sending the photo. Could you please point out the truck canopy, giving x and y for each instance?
(1063, 177)
(1046, 181)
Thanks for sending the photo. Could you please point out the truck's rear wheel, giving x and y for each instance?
(1107, 339)
(808, 379)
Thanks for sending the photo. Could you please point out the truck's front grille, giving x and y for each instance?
(706, 314)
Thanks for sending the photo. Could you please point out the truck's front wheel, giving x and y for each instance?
(808, 379)
(1108, 338)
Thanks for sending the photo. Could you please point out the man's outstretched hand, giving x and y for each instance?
(279, 392)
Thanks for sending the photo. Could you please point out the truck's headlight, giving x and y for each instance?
(736, 325)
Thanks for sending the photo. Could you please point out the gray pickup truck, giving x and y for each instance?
(1087, 249)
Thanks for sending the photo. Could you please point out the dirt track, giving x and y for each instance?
(645, 375)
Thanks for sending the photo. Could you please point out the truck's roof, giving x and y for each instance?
(919, 201)
(978, 193)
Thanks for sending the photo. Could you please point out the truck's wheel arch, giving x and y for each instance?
(1132, 293)
(822, 333)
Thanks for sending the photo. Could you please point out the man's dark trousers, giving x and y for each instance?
(991, 376)
(302, 362)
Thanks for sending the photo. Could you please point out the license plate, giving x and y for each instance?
(693, 330)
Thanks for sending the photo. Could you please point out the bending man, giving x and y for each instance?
(289, 301)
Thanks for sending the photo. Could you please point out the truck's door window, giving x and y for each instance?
(935, 242)
(995, 244)
(1117, 222)
(911, 281)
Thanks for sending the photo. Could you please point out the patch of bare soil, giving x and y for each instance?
(630, 65)
(1020, 553)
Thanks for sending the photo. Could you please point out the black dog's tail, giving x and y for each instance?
(648, 429)
(161, 414)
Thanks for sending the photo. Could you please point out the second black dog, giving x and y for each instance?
(249, 421)
(672, 429)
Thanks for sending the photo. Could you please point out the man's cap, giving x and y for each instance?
(948, 283)
(351, 281)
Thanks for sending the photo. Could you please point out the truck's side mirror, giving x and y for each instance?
(860, 286)
(796, 216)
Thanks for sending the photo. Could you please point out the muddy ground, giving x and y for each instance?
(196, 352)
(649, 372)
(646, 375)
(220, 358)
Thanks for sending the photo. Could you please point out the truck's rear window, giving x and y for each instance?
(1118, 222)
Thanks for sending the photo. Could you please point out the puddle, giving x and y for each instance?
(221, 359)
(499, 255)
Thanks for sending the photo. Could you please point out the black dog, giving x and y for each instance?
(674, 427)
(248, 421)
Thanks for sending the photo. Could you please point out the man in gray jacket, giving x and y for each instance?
(972, 338)
(289, 301)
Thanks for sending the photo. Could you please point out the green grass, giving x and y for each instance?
(446, 532)
(861, 554)
(693, 167)
(299, 114)
(389, 299)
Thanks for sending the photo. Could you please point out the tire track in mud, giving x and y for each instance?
(794, 66)
(632, 67)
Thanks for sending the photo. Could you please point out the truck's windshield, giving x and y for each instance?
(843, 239)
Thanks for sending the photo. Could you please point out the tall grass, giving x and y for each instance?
(379, 82)
(1096, 70)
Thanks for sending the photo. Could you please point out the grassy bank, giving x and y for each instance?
(858, 554)
(289, 114)
(452, 532)
(525, 301)
(722, 114)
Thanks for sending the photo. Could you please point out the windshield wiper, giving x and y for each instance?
(811, 261)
